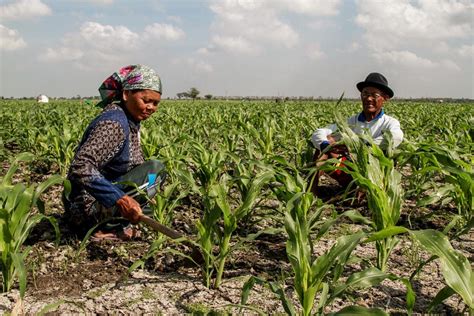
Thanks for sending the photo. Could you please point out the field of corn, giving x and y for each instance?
(239, 173)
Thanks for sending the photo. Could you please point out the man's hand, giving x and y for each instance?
(129, 209)
(336, 149)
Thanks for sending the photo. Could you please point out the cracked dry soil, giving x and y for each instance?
(62, 280)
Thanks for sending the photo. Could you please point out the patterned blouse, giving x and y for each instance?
(109, 148)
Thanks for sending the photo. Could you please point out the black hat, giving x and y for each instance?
(376, 80)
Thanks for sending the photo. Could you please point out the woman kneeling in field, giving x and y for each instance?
(110, 154)
(374, 92)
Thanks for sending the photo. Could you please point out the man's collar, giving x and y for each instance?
(361, 117)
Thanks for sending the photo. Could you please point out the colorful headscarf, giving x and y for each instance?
(133, 77)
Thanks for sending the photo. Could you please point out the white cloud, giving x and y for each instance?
(106, 2)
(24, 9)
(93, 43)
(234, 44)
(449, 65)
(248, 25)
(319, 25)
(10, 39)
(466, 51)
(398, 32)
(108, 37)
(442, 47)
(175, 19)
(312, 7)
(196, 65)
(62, 54)
(204, 50)
(411, 61)
(164, 31)
(202, 66)
(314, 52)
(405, 58)
(389, 23)
(353, 47)
(106, 44)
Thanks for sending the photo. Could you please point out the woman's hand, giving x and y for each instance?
(129, 209)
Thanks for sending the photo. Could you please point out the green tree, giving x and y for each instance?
(193, 93)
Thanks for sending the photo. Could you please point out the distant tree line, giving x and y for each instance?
(193, 94)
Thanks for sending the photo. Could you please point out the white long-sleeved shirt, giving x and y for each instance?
(358, 124)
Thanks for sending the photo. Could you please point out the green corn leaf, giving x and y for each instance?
(436, 196)
(356, 217)
(287, 304)
(325, 227)
(367, 278)
(456, 268)
(385, 233)
(14, 166)
(274, 287)
(323, 297)
(248, 287)
(254, 191)
(50, 308)
(19, 264)
(443, 294)
(364, 279)
(5, 235)
(338, 254)
(410, 297)
(55, 179)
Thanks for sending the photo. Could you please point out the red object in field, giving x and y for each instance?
(340, 164)
(340, 176)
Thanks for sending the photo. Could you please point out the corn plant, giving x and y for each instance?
(457, 175)
(231, 217)
(219, 209)
(263, 138)
(376, 174)
(310, 275)
(17, 219)
(456, 268)
(59, 145)
(162, 206)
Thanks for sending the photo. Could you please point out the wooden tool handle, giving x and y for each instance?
(173, 234)
(160, 227)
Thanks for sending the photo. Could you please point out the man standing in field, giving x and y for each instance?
(374, 92)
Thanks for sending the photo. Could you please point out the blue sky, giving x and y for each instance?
(239, 47)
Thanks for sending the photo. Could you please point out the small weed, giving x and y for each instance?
(147, 294)
(132, 302)
(197, 309)
(95, 293)
(343, 229)
(412, 253)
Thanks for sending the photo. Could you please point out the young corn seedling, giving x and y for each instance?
(310, 275)
(162, 206)
(17, 220)
(458, 180)
(221, 215)
(264, 137)
(231, 217)
(206, 168)
(456, 268)
(63, 147)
